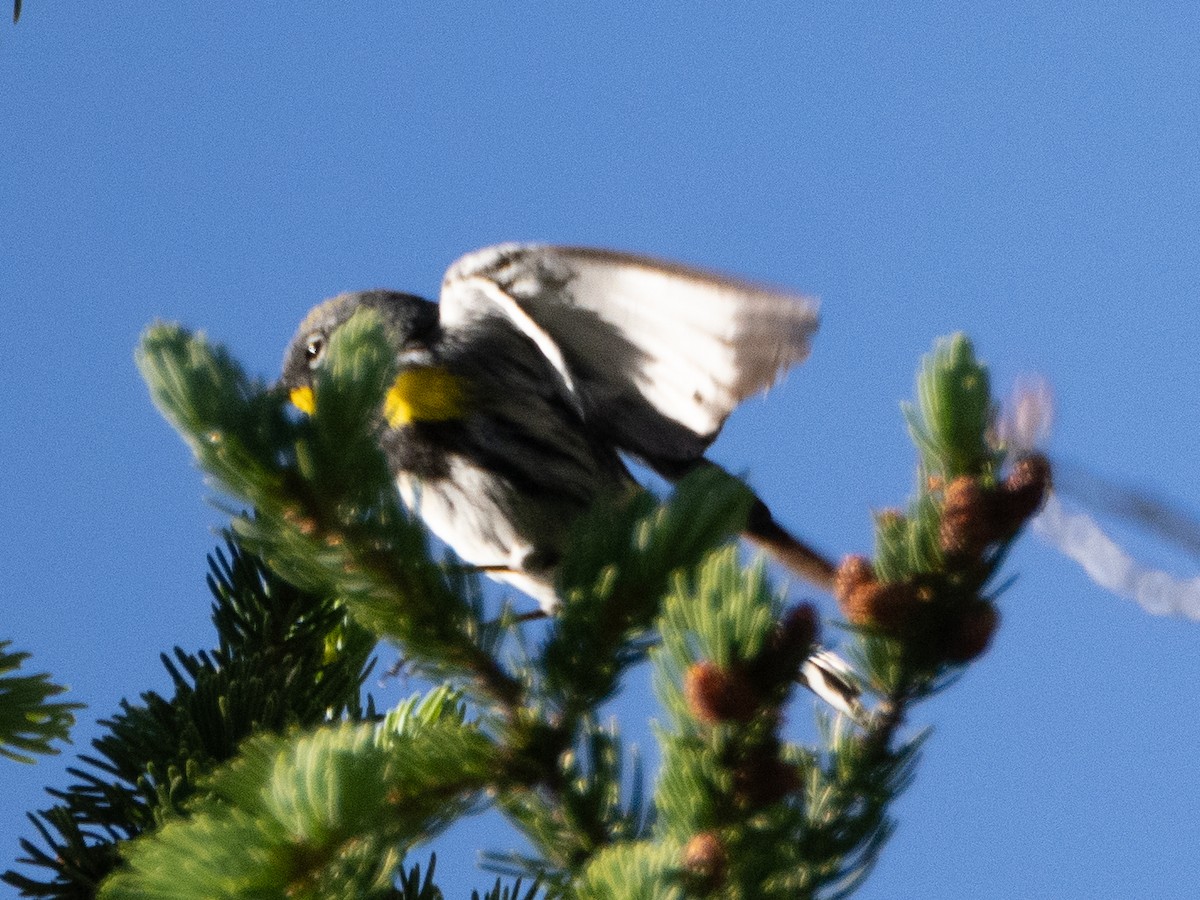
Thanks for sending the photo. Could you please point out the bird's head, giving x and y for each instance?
(410, 323)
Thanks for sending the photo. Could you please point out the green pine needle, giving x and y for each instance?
(327, 813)
(950, 420)
(28, 723)
(328, 517)
(738, 811)
(640, 870)
(618, 567)
(271, 671)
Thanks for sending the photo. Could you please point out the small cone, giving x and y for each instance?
(853, 572)
(765, 781)
(706, 860)
(1024, 490)
(972, 634)
(865, 601)
(797, 631)
(717, 695)
(968, 519)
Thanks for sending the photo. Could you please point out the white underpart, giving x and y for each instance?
(1079, 537)
(467, 517)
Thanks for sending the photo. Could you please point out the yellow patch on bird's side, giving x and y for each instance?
(303, 399)
(425, 394)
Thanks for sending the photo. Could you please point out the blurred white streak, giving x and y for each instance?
(1077, 536)
(1023, 426)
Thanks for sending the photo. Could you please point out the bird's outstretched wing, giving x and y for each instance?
(656, 355)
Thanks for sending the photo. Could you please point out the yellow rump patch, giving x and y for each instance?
(426, 394)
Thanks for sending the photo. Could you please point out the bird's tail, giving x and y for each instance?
(763, 531)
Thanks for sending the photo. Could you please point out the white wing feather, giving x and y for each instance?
(659, 353)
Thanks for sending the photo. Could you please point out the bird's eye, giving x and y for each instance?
(314, 349)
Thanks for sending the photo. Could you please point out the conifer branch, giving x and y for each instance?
(272, 670)
(28, 722)
(328, 813)
(738, 810)
(327, 516)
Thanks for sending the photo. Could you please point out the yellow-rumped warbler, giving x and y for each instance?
(518, 393)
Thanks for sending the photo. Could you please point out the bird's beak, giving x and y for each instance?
(303, 399)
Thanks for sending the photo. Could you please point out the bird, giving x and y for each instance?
(521, 393)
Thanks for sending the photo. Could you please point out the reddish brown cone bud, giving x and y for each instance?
(867, 601)
(972, 634)
(798, 630)
(705, 859)
(853, 572)
(718, 695)
(787, 646)
(1024, 490)
(765, 780)
(890, 607)
(968, 519)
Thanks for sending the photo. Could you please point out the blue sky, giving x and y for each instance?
(1026, 172)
